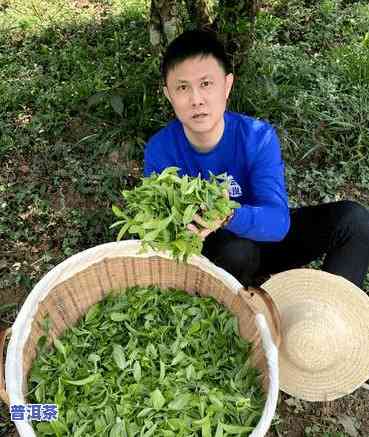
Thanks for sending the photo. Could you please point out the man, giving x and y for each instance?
(264, 235)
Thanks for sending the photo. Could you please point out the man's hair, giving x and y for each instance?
(190, 44)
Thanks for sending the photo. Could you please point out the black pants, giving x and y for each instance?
(339, 231)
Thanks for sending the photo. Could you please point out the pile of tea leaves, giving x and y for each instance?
(159, 209)
(149, 362)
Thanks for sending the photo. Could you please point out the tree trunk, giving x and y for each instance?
(165, 23)
(234, 24)
(199, 13)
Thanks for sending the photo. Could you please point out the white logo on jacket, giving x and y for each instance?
(234, 188)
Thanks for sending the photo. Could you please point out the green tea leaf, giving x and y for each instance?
(206, 427)
(40, 393)
(190, 372)
(188, 214)
(145, 412)
(45, 428)
(157, 399)
(179, 358)
(109, 414)
(162, 371)
(92, 313)
(84, 381)
(151, 431)
(80, 431)
(118, 317)
(59, 427)
(181, 245)
(123, 231)
(159, 210)
(118, 355)
(236, 429)
(93, 358)
(137, 371)
(167, 362)
(117, 431)
(151, 236)
(219, 431)
(180, 402)
(60, 347)
(118, 212)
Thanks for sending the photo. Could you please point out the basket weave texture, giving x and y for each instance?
(66, 296)
(66, 303)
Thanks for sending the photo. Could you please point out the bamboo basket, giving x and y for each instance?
(68, 290)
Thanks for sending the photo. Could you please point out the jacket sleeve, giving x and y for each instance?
(266, 217)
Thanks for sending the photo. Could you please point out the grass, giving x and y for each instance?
(80, 94)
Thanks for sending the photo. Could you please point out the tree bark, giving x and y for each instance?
(234, 24)
(165, 23)
(199, 13)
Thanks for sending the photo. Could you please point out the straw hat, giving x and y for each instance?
(324, 353)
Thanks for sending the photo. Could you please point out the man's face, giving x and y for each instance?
(198, 90)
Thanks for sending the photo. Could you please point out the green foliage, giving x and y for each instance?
(320, 25)
(49, 72)
(64, 162)
(318, 103)
(267, 26)
(352, 61)
(66, 66)
(159, 210)
(146, 361)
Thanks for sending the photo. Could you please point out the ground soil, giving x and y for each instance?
(348, 416)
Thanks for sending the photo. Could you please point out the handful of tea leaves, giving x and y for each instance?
(149, 362)
(159, 210)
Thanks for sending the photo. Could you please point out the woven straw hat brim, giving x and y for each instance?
(324, 353)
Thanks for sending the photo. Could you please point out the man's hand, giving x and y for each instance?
(207, 228)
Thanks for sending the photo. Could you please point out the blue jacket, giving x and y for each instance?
(249, 152)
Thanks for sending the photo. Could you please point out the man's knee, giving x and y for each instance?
(356, 217)
(238, 256)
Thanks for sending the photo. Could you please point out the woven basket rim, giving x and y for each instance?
(21, 327)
